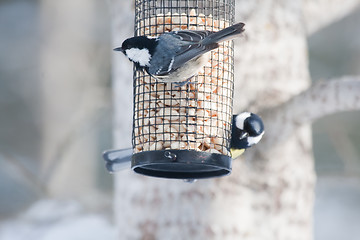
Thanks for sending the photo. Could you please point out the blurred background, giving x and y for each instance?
(56, 119)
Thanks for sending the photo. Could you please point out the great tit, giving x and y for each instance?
(247, 130)
(176, 56)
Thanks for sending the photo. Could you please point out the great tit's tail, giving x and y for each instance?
(228, 33)
(117, 160)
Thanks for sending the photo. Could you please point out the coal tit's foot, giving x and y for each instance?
(190, 180)
(183, 83)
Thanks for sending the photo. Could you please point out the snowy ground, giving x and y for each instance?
(57, 220)
(337, 216)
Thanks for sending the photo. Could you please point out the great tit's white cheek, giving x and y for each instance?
(141, 56)
(240, 119)
(254, 140)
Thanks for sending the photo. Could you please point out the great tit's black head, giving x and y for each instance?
(138, 49)
(248, 129)
(253, 125)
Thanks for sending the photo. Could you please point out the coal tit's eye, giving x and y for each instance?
(125, 45)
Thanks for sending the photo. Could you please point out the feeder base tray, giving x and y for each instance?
(181, 164)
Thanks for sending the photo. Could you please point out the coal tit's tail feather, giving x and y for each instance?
(228, 33)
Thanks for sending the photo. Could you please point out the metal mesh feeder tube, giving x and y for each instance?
(184, 132)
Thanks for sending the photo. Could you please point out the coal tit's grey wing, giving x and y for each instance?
(190, 36)
(191, 52)
(162, 59)
(117, 160)
(177, 48)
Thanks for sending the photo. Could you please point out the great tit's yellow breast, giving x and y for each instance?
(236, 152)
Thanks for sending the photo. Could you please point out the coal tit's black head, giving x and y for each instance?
(138, 49)
(140, 42)
(247, 130)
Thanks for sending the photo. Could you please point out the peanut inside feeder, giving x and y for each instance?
(192, 122)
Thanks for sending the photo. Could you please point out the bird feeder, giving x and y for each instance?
(184, 132)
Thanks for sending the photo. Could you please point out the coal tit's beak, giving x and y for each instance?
(119, 49)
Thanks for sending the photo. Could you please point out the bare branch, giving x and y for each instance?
(320, 13)
(318, 101)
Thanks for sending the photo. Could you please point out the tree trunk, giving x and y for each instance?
(270, 193)
(272, 67)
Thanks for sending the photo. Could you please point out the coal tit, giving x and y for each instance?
(176, 56)
(247, 130)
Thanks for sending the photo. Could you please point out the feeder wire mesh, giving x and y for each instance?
(196, 116)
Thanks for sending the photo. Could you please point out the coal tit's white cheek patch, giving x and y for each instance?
(240, 119)
(141, 56)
